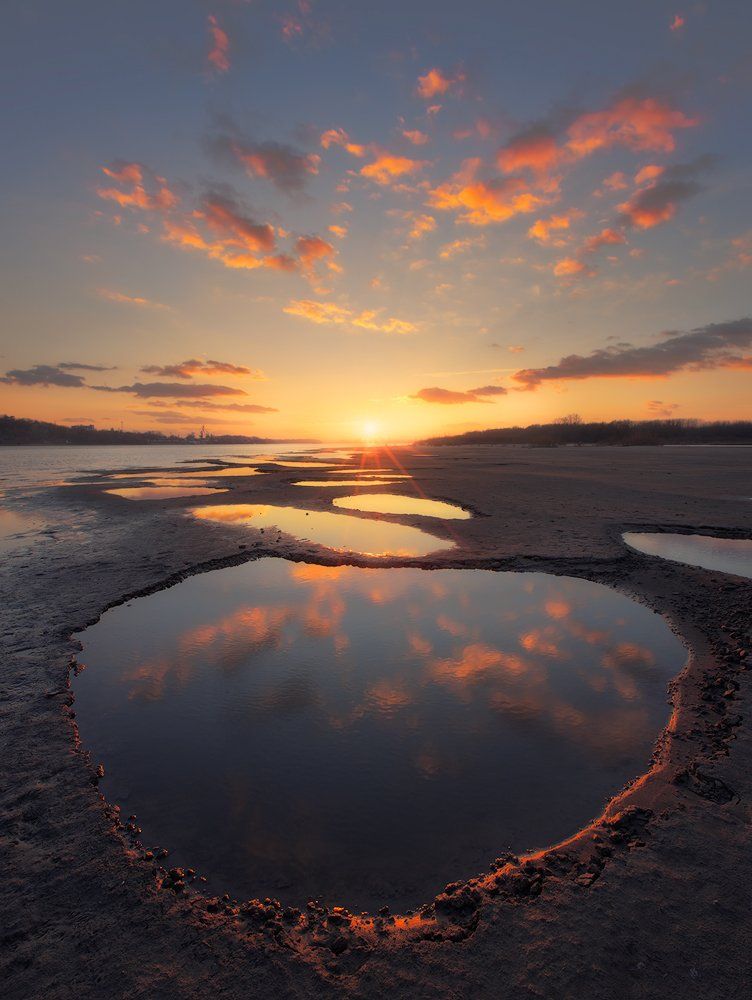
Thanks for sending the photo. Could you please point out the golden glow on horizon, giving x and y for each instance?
(387, 261)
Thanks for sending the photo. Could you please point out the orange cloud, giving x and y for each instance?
(648, 173)
(568, 267)
(677, 22)
(237, 241)
(435, 83)
(637, 123)
(311, 250)
(659, 200)
(416, 137)
(481, 203)
(420, 225)
(616, 181)
(222, 215)
(338, 137)
(604, 238)
(337, 315)
(535, 149)
(159, 199)
(219, 52)
(449, 250)
(541, 230)
(129, 300)
(387, 166)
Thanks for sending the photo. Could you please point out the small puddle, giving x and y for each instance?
(224, 473)
(344, 482)
(364, 476)
(335, 531)
(364, 736)
(726, 555)
(304, 465)
(392, 503)
(163, 492)
(179, 481)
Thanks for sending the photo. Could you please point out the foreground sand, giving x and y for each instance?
(654, 899)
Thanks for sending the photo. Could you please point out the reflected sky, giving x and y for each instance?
(392, 503)
(15, 527)
(336, 531)
(163, 492)
(229, 472)
(364, 736)
(727, 555)
(177, 481)
(345, 482)
(294, 464)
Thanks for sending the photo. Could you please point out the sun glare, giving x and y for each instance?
(370, 431)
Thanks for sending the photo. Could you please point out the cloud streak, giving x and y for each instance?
(717, 345)
(450, 397)
(193, 366)
(330, 313)
(172, 390)
(43, 375)
(205, 404)
(219, 46)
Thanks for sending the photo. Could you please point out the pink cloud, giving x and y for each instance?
(219, 51)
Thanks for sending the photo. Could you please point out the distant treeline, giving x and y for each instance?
(572, 431)
(15, 430)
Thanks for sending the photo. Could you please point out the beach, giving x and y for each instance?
(651, 899)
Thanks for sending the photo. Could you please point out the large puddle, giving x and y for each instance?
(341, 532)
(364, 736)
(727, 555)
(393, 503)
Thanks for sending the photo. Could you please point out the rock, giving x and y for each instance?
(339, 944)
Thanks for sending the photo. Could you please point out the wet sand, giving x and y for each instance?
(650, 900)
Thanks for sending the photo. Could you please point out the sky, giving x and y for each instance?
(332, 219)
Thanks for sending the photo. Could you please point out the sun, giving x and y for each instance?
(369, 431)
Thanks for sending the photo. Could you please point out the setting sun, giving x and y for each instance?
(370, 431)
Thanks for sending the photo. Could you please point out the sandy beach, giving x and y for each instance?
(652, 899)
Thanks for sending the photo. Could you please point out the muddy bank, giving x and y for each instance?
(651, 900)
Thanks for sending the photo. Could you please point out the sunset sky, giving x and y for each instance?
(302, 217)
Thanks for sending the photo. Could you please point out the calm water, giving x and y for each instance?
(17, 528)
(371, 481)
(23, 467)
(163, 492)
(393, 503)
(727, 555)
(364, 736)
(341, 532)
